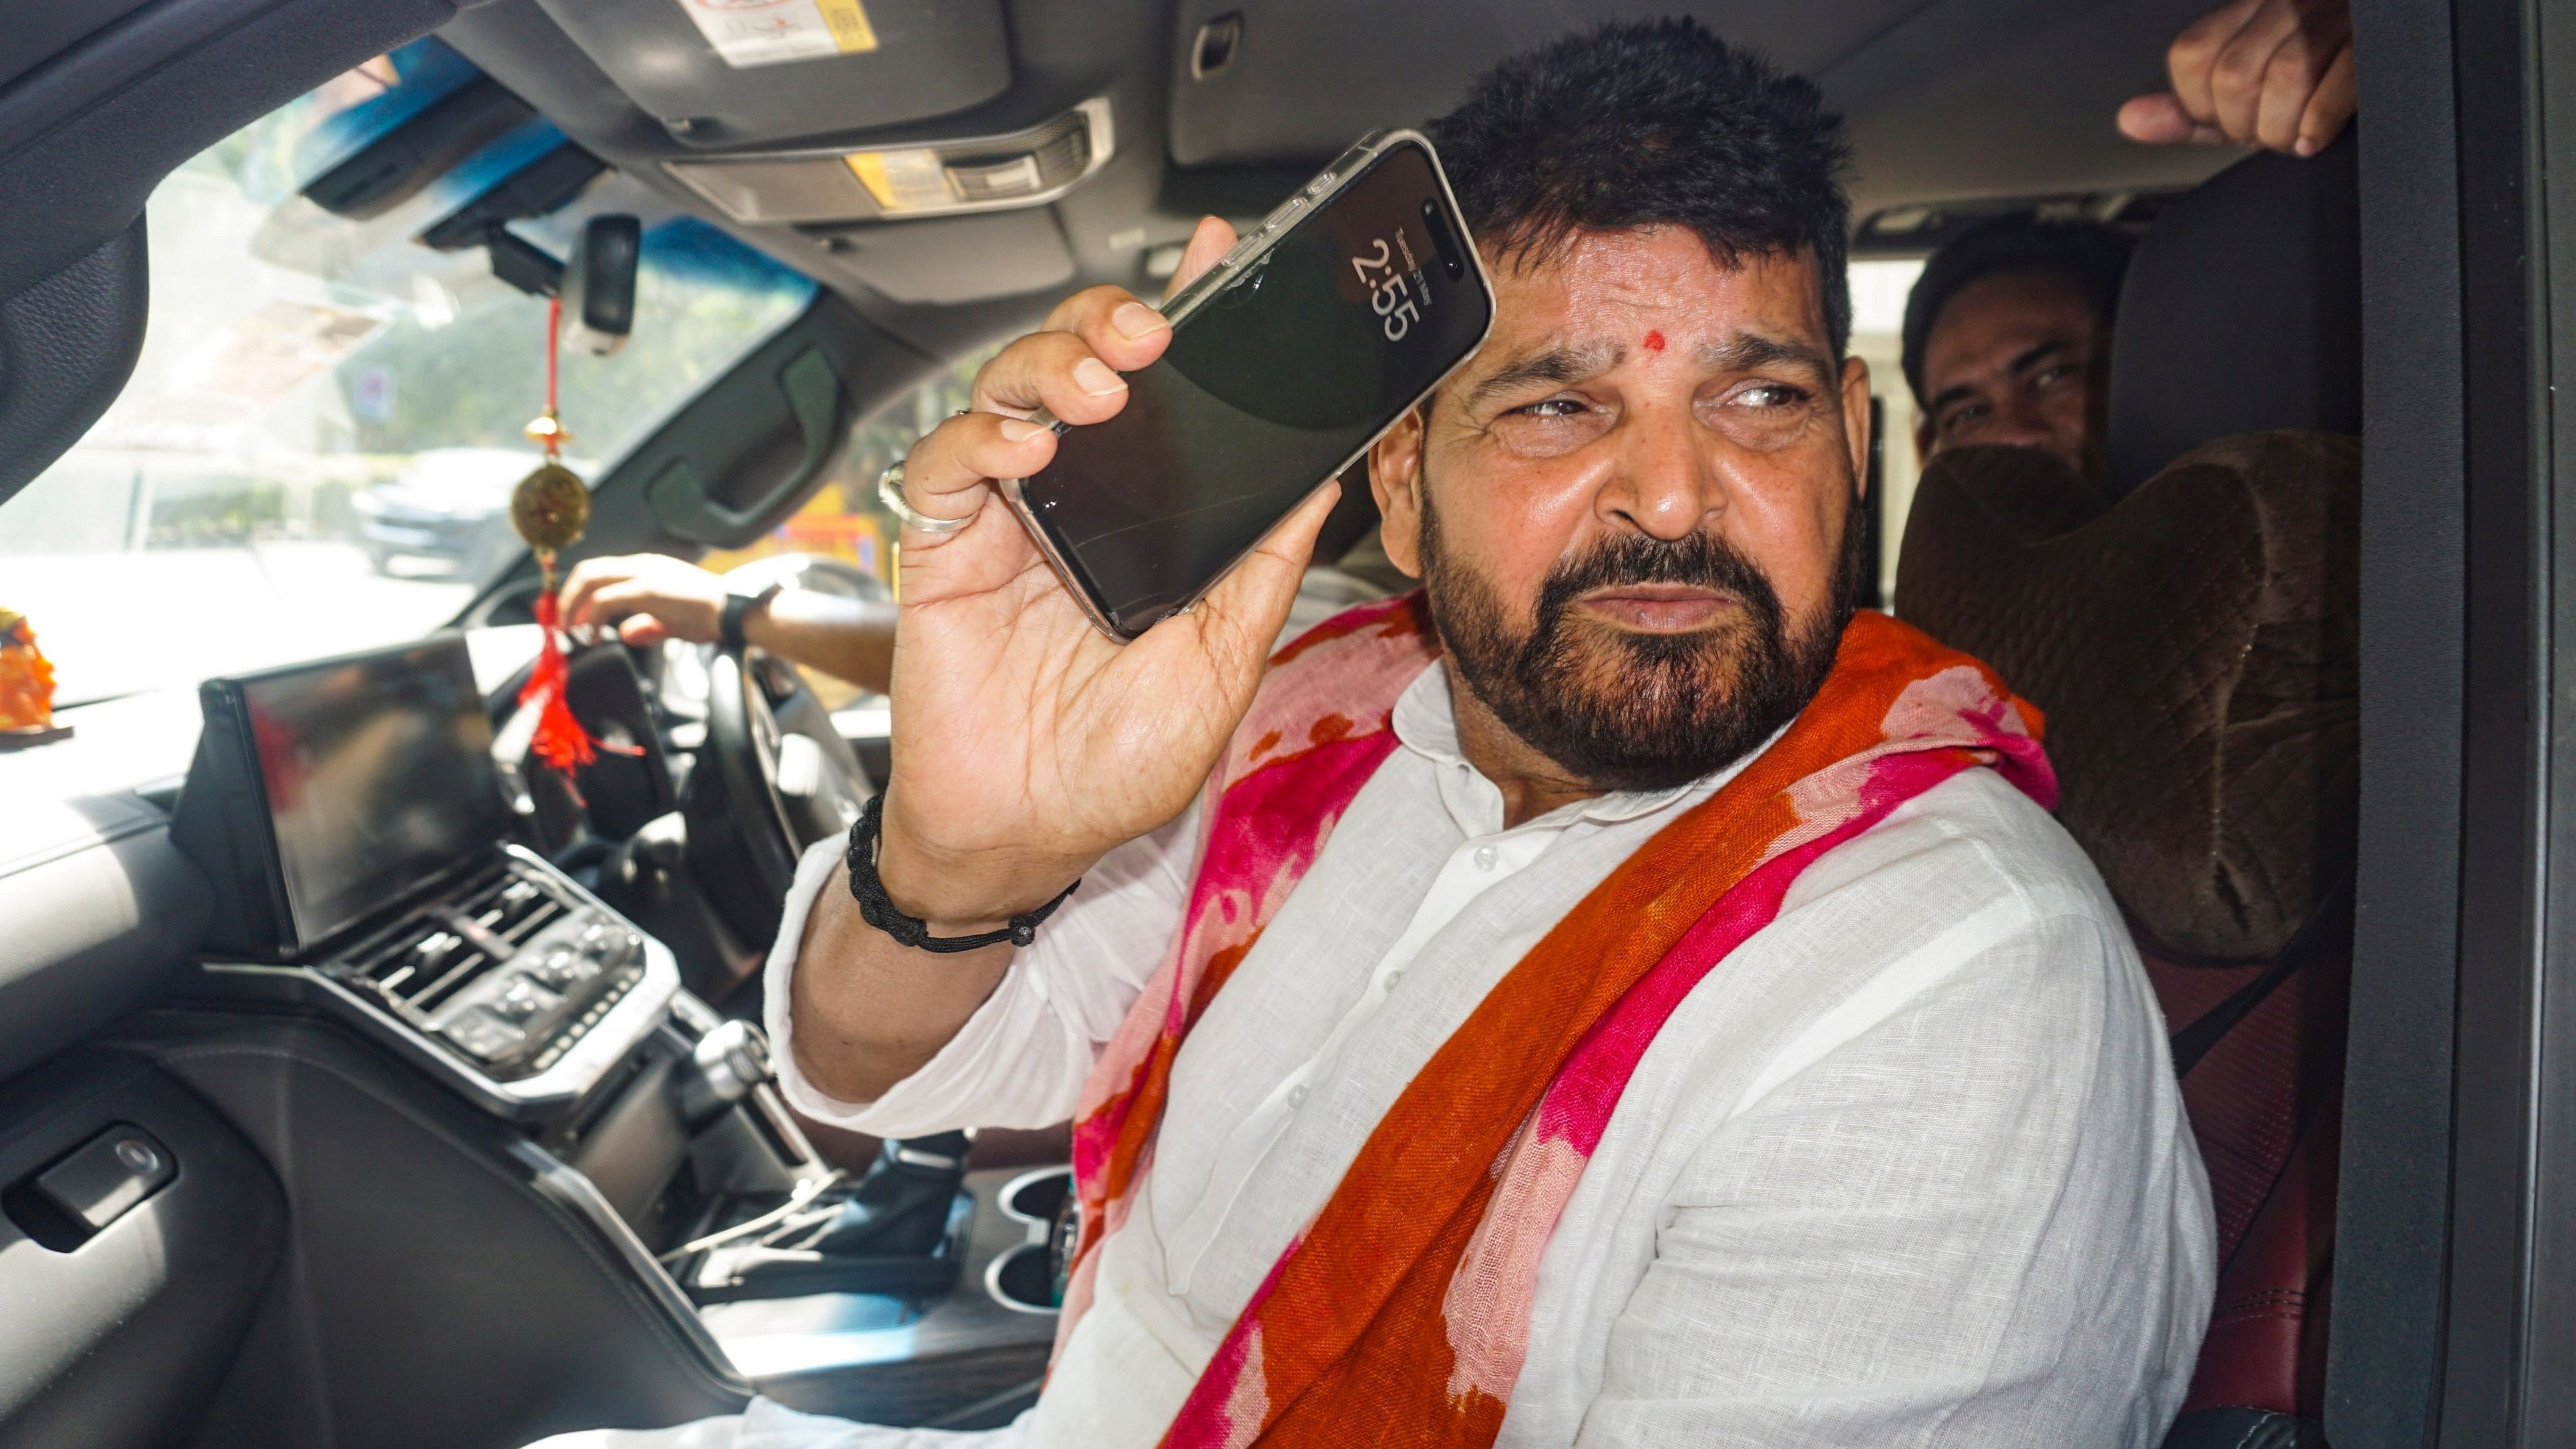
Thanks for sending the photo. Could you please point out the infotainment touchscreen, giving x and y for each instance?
(378, 775)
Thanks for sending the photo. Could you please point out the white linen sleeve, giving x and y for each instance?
(1020, 1060)
(1966, 1223)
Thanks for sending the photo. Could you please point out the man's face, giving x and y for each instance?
(2018, 360)
(1631, 508)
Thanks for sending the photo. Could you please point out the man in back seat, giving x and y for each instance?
(2008, 338)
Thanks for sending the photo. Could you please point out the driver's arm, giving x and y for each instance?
(650, 597)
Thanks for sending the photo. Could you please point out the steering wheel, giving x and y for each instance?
(775, 775)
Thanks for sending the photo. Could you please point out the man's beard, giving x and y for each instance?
(1625, 710)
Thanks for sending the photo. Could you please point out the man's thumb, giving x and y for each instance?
(2157, 120)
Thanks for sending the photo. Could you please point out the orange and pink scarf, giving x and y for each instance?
(1401, 1315)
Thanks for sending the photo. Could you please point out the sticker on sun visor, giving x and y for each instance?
(769, 32)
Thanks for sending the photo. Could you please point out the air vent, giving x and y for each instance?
(421, 966)
(512, 908)
(444, 949)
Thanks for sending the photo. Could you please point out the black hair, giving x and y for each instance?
(1649, 123)
(2092, 256)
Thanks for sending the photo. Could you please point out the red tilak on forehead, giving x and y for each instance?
(1654, 341)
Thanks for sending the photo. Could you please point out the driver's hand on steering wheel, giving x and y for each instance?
(649, 597)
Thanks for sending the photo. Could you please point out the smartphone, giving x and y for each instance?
(1321, 328)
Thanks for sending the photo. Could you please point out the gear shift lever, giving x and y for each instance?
(730, 1060)
(901, 1206)
(888, 1235)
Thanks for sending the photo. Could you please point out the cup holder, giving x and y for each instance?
(1022, 1280)
(1030, 1277)
(1035, 1197)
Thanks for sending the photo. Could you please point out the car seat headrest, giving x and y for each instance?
(2241, 313)
(2195, 648)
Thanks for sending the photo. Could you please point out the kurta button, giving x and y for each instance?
(1486, 855)
(1296, 1097)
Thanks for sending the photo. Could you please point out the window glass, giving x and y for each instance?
(1878, 292)
(316, 447)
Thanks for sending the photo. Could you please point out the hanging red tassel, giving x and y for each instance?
(560, 740)
(549, 509)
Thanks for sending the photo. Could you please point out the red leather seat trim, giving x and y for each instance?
(2243, 1096)
(2268, 1321)
(2266, 1106)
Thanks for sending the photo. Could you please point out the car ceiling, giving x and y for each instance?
(1946, 100)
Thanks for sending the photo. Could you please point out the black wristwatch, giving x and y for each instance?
(729, 623)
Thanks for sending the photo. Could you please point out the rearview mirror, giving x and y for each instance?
(598, 287)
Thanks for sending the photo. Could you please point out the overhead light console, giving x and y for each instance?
(941, 178)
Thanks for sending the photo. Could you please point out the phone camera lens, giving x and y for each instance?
(1453, 259)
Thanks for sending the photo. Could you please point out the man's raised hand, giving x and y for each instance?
(1026, 742)
(2274, 73)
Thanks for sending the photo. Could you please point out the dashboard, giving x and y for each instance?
(116, 900)
(105, 907)
(439, 1027)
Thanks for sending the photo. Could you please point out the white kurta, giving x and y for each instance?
(1909, 1168)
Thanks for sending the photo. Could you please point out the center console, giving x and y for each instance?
(511, 982)
(352, 816)
(368, 877)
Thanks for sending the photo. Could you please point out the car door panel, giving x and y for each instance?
(441, 1287)
(118, 1335)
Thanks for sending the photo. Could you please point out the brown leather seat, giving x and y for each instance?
(2194, 646)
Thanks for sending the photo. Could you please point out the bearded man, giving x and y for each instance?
(1615, 996)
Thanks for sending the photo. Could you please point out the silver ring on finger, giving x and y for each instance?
(890, 493)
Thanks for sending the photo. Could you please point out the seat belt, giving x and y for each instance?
(2194, 1041)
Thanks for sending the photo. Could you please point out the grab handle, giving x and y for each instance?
(680, 500)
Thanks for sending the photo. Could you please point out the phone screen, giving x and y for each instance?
(1268, 388)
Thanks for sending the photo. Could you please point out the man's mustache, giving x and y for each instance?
(1698, 559)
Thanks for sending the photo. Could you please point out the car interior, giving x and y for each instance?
(366, 1084)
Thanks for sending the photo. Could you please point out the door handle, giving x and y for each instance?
(680, 500)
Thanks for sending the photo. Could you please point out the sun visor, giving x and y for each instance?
(941, 178)
(748, 72)
(533, 170)
(436, 110)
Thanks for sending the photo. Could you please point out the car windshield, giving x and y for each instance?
(316, 447)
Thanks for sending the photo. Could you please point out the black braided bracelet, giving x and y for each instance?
(913, 931)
